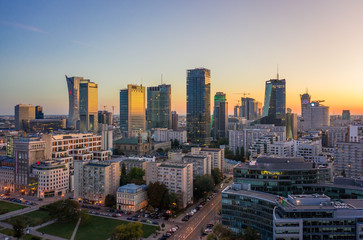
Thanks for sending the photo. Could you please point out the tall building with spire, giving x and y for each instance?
(158, 114)
(73, 95)
(132, 110)
(198, 106)
(220, 116)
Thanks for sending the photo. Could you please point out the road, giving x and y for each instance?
(192, 229)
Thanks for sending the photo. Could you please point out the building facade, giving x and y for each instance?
(166, 135)
(132, 110)
(131, 197)
(274, 108)
(23, 113)
(73, 95)
(198, 106)
(348, 160)
(158, 114)
(88, 106)
(220, 116)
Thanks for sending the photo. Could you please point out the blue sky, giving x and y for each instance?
(317, 44)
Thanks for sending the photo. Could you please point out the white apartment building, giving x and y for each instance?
(166, 135)
(94, 180)
(282, 149)
(217, 156)
(178, 178)
(201, 164)
(307, 148)
(355, 133)
(53, 178)
(131, 197)
(349, 158)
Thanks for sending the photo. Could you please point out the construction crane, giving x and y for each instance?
(104, 107)
(244, 94)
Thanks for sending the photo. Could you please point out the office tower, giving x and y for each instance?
(174, 120)
(198, 106)
(132, 109)
(291, 125)
(220, 116)
(88, 106)
(237, 111)
(39, 112)
(73, 94)
(105, 117)
(23, 112)
(158, 114)
(314, 114)
(346, 115)
(274, 108)
(250, 109)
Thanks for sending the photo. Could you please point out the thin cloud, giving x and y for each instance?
(81, 43)
(22, 26)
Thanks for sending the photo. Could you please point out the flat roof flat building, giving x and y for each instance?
(23, 112)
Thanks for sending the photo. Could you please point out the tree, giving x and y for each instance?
(136, 176)
(123, 178)
(110, 200)
(65, 210)
(217, 175)
(251, 234)
(162, 225)
(158, 195)
(131, 231)
(343, 173)
(202, 185)
(18, 228)
(212, 236)
(175, 144)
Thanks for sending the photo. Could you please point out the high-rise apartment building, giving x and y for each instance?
(274, 108)
(291, 125)
(250, 109)
(73, 94)
(158, 114)
(314, 114)
(132, 109)
(216, 154)
(356, 133)
(39, 112)
(23, 112)
(220, 116)
(346, 115)
(348, 159)
(88, 106)
(198, 106)
(174, 121)
(105, 117)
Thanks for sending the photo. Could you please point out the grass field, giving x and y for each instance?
(32, 219)
(97, 228)
(6, 207)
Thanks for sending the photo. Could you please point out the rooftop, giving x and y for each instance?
(128, 141)
(277, 163)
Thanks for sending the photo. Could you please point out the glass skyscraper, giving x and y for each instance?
(158, 114)
(274, 109)
(198, 106)
(73, 94)
(220, 116)
(88, 106)
(132, 109)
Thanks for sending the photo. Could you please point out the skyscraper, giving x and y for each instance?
(132, 109)
(274, 108)
(105, 117)
(346, 115)
(314, 114)
(23, 112)
(88, 106)
(220, 116)
(291, 125)
(198, 105)
(250, 109)
(174, 120)
(158, 114)
(73, 94)
(39, 112)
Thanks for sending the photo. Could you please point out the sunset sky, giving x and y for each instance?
(317, 44)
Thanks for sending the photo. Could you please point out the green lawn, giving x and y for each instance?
(7, 231)
(6, 207)
(32, 219)
(97, 228)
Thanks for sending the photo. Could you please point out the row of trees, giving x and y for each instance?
(221, 232)
(159, 197)
(135, 175)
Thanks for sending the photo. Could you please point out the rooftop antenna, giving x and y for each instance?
(277, 71)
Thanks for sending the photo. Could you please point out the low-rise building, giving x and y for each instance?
(7, 166)
(282, 149)
(133, 146)
(53, 178)
(201, 164)
(131, 197)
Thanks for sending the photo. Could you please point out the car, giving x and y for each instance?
(130, 219)
(135, 219)
(156, 223)
(143, 220)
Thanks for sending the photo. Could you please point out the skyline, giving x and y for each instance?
(116, 44)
